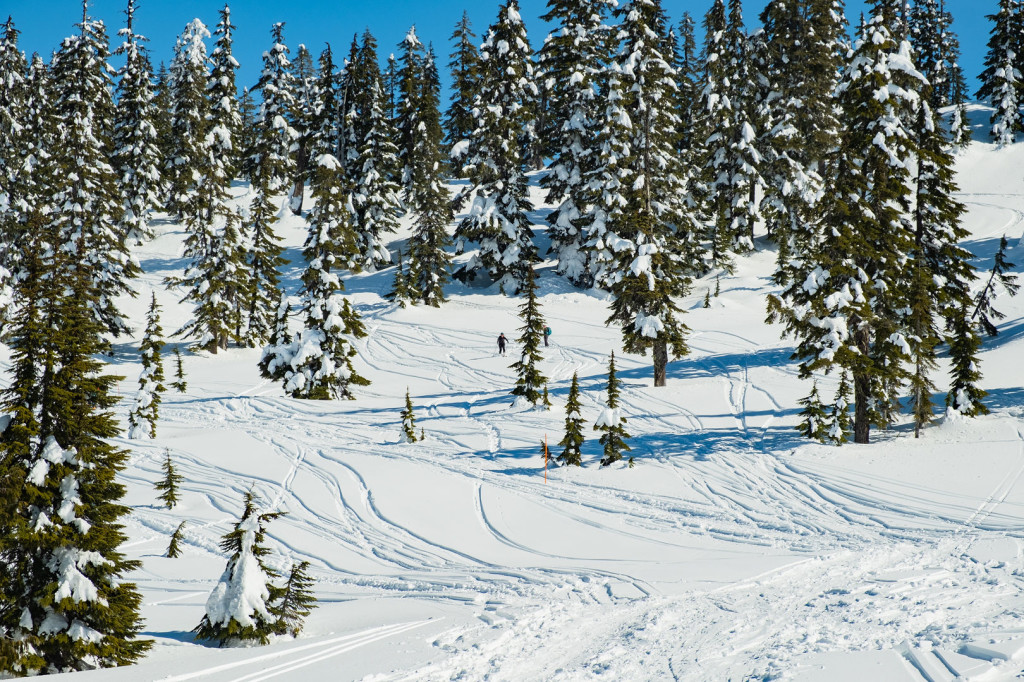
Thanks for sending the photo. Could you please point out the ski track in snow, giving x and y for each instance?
(857, 567)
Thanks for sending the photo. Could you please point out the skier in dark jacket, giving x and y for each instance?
(501, 343)
(547, 333)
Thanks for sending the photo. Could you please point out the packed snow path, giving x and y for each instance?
(732, 550)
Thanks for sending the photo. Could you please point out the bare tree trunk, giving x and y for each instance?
(660, 361)
(861, 392)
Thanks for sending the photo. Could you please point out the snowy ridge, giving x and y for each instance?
(733, 550)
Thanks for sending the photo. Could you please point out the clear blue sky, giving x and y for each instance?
(43, 23)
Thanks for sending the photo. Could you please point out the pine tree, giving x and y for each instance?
(189, 113)
(173, 547)
(572, 61)
(402, 291)
(143, 416)
(168, 485)
(408, 420)
(813, 423)
(297, 600)
(179, 384)
(163, 104)
(224, 117)
(135, 157)
(685, 63)
(464, 66)
(241, 607)
(317, 363)
(804, 54)
(427, 197)
(375, 199)
(530, 381)
(965, 397)
(248, 112)
(498, 219)
(572, 442)
(64, 602)
(302, 122)
(16, 109)
(408, 80)
(1001, 80)
(86, 200)
(848, 291)
(270, 168)
(657, 234)
(611, 422)
(999, 279)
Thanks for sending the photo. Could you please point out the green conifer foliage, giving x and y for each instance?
(464, 65)
(846, 300)
(179, 384)
(1001, 81)
(168, 485)
(402, 291)
(1000, 279)
(572, 441)
(186, 87)
(297, 601)
(143, 416)
(530, 381)
(163, 103)
(135, 157)
(174, 546)
(64, 602)
(408, 420)
(225, 621)
(573, 61)
(498, 218)
(303, 75)
(611, 422)
(813, 423)
(656, 233)
(428, 198)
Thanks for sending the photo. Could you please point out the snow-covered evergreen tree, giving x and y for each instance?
(1000, 280)
(225, 121)
(464, 65)
(189, 113)
(848, 291)
(16, 120)
(1001, 80)
(572, 63)
(163, 105)
(64, 601)
(529, 381)
(611, 421)
(426, 196)
(168, 485)
(375, 200)
(143, 415)
(297, 600)
(135, 156)
(241, 608)
(86, 198)
(408, 420)
(657, 246)
(317, 363)
(498, 218)
(303, 75)
(572, 441)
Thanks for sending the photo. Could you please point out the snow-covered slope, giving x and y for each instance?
(732, 550)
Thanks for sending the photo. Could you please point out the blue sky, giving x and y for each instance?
(315, 22)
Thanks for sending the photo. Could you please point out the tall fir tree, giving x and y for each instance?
(135, 156)
(241, 608)
(572, 441)
(224, 117)
(143, 416)
(848, 291)
(168, 485)
(659, 247)
(317, 363)
(529, 381)
(498, 218)
(64, 603)
(375, 199)
(15, 179)
(303, 74)
(271, 170)
(1001, 82)
(427, 197)
(189, 114)
(572, 61)
(163, 105)
(464, 66)
(611, 422)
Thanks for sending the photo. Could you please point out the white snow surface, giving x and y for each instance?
(734, 549)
